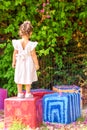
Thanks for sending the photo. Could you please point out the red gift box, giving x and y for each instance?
(28, 111)
(41, 92)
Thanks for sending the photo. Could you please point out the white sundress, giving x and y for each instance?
(25, 72)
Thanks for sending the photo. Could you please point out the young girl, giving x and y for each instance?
(25, 60)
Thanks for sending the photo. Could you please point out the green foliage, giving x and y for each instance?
(6, 71)
(17, 125)
(56, 23)
(1, 125)
(81, 119)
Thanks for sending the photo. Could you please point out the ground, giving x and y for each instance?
(81, 124)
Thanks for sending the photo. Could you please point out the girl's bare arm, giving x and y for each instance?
(14, 58)
(34, 56)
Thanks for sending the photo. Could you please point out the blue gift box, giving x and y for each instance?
(61, 108)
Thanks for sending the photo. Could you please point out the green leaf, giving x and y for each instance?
(2, 45)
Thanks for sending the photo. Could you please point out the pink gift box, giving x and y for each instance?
(29, 111)
(3, 96)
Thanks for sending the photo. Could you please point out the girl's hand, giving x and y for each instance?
(13, 65)
(37, 67)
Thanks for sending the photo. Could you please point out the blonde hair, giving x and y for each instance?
(26, 28)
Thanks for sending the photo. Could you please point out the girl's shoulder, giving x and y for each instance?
(16, 43)
(16, 40)
(32, 44)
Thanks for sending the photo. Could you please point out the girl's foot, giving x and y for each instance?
(28, 95)
(20, 95)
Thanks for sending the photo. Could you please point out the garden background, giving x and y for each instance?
(60, 27)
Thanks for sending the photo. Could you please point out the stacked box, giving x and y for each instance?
(64, 108)
(28, 111)
(40, 92)
(3, 96)
(69, 89)
(66, 88)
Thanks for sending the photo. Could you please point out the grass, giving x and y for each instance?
(1, 125)
(80, 124)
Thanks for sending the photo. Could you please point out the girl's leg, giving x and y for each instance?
(28, 87)
(28, 94)
(19, 87)
(20, 94)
